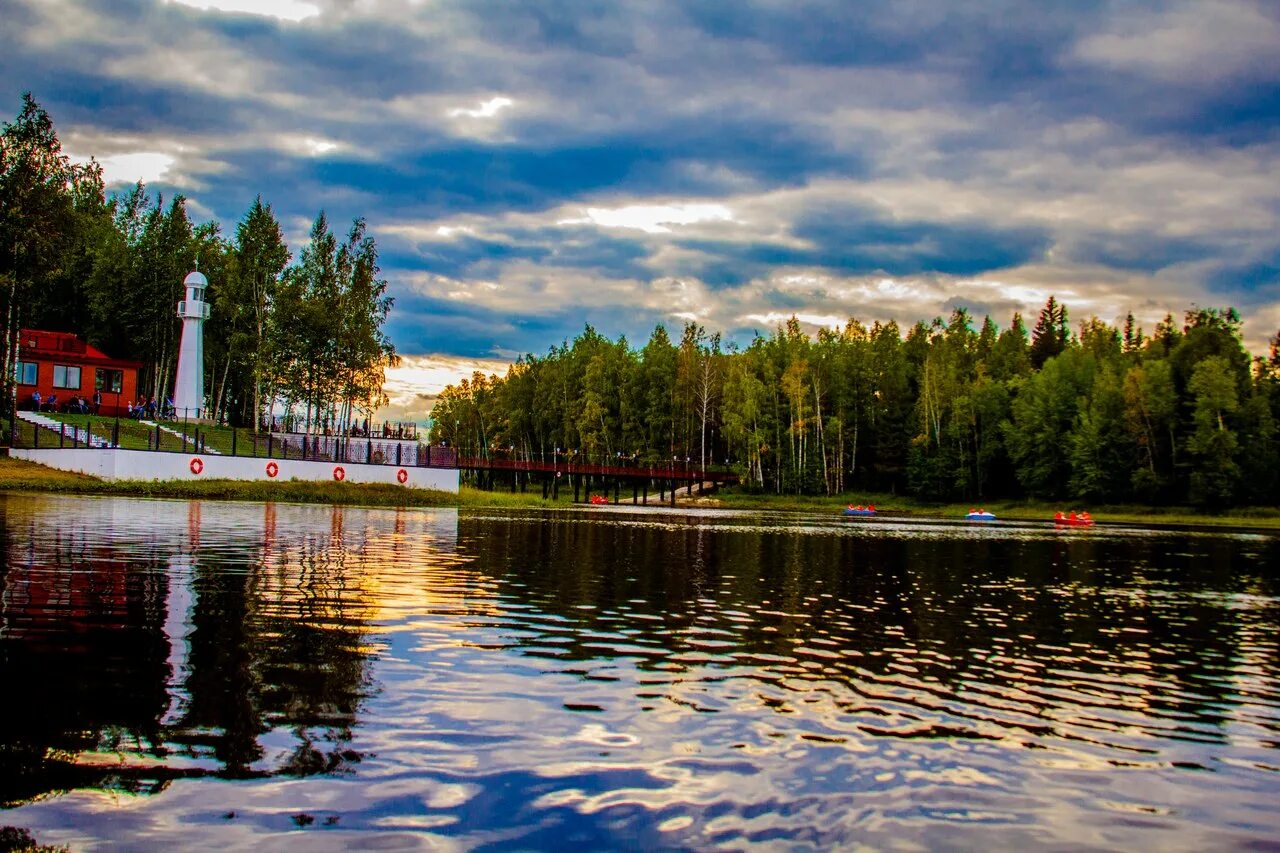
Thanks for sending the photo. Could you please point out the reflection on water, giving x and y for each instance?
(187, 673)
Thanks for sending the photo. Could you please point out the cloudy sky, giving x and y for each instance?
(529, 167)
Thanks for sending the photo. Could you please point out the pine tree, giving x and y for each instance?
(37, 217)
(1050, 335)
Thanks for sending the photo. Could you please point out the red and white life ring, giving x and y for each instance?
(272, 469)
(402, 475)
(197, 465)
(339, 473)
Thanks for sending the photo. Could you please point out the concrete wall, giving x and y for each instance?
(148, 465)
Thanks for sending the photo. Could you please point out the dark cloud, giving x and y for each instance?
(1258, 276)
(811, 121)
(853, 241)
(1144, 252)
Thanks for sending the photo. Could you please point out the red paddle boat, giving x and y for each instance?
(1073, 519)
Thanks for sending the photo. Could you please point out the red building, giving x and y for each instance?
(59, 363)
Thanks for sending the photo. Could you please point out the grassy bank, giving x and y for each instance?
(19, 475)
(1261, 517)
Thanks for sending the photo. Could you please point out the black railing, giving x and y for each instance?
(193, 438)
(179, 437)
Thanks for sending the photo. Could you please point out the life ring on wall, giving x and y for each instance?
(197, 465)
(272, 469)
(402, 475)
(339, 473)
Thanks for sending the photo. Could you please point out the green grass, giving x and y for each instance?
(20, 475)
(1011, 510)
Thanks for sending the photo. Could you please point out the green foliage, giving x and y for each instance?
(1151, 405)
(48, 209)
(1101, 449)
(1212, 442)
(238, 349)
(1043, 415)
(112, 271)
(945, 413)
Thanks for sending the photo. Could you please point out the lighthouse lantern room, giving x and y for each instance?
(188, 387)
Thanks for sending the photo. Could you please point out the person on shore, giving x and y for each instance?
(97, 402)
(35, 401)
(51, 405)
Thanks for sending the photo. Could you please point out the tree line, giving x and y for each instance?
(305, 335)
(945, 411)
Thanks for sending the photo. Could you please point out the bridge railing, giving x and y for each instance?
(37, 430)
(575, 465)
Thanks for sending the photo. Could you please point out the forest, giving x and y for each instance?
(945, 412)
(302, 336)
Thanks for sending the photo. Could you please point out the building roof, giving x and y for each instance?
(37, 344)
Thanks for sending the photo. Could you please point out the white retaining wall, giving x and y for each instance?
(114, 464)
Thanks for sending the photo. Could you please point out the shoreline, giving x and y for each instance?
(30, 477)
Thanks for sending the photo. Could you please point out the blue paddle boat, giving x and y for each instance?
(860, 510)
(980, 515)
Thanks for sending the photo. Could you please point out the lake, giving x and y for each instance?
(202, 674)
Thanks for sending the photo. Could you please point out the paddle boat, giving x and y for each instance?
(1074, 519)
(980, 515)
(599, 499)
(860, 510)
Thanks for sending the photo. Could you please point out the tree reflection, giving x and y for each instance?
(267, 637)
(1052, 628)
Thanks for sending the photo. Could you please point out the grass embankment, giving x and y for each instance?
(20, 475)
(1266, 517)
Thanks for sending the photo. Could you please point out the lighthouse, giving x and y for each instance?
(188, 388)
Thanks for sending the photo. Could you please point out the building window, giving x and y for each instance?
(109, 380)
(66, 377)
(25, 372)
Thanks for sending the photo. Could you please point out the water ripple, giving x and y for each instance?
(630, 678)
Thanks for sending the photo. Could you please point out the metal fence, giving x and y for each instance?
(28, 430)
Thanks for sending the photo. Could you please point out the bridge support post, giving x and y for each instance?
(673, 493)
(577, 481)
(617, 484)
(635, 492)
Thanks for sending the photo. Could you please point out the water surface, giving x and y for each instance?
(247, 675)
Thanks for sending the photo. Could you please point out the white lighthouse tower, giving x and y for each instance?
(188, 388)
